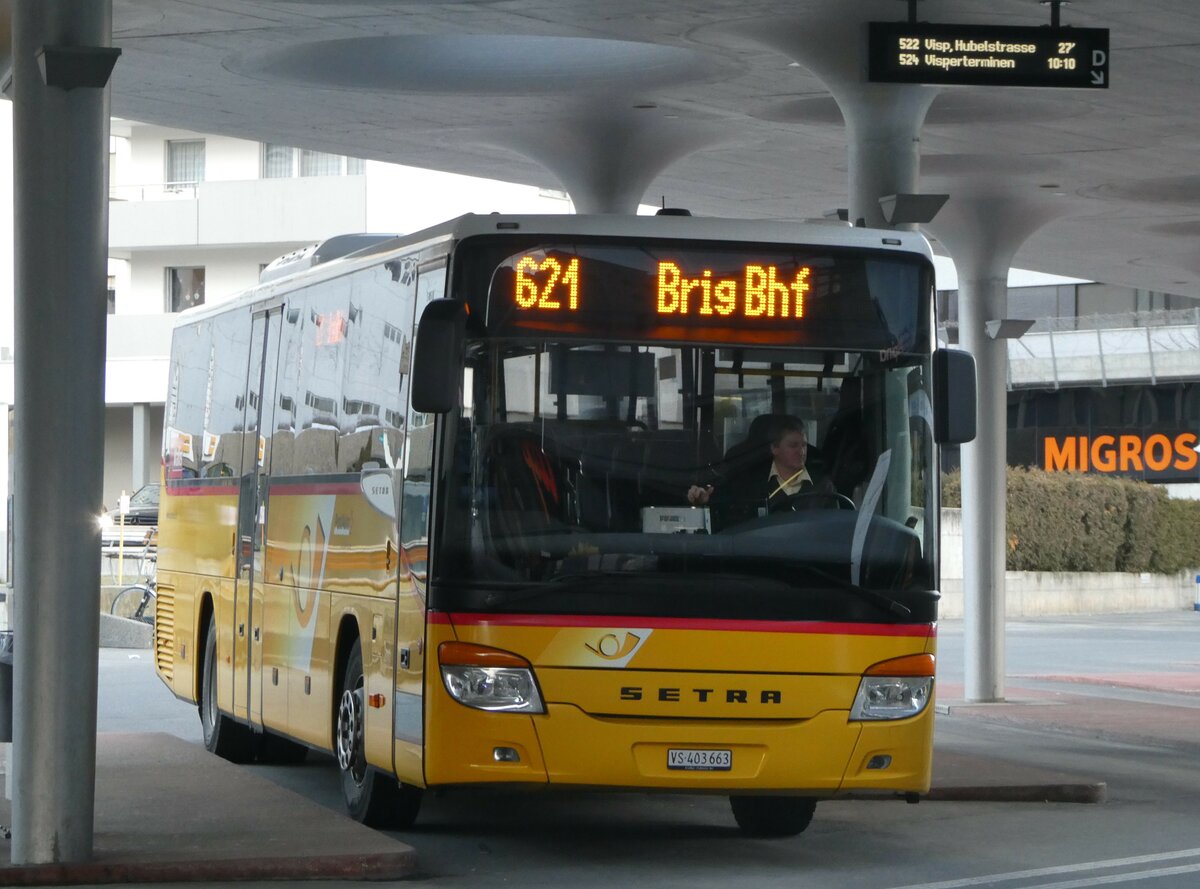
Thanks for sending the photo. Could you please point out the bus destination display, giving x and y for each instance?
(620, 291)
(546, 284)
(988, 55)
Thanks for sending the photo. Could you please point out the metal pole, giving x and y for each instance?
(61, 209)
(1053, 356)
(1150, 356)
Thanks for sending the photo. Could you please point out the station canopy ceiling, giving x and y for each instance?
(711, 105)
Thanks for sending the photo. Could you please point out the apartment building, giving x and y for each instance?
(194, 218)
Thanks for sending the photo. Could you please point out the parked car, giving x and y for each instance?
(135, 537)
(143, 507)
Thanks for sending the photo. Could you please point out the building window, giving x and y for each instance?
(283, 162)
(277, 162)
(185, 288)
(112, 295)
(318, 163)
(185, 163)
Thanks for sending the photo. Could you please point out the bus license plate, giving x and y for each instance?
(700, 760)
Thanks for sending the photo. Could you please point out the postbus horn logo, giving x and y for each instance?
(617, 648)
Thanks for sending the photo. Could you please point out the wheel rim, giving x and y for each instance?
(210, 699)
(350, 733)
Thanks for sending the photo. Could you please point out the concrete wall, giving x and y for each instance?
(118, 451)
(1041, 593)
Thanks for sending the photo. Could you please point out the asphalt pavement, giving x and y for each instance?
(164, 814)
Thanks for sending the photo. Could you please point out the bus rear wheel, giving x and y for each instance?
(772, 816)
(372, 797)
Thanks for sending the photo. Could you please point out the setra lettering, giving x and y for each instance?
(670, 694)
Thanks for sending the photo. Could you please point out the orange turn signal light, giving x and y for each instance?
(909, 665)
(466, 654)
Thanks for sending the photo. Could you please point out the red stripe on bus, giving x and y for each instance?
(282, 488)
(920, 631)
(288, 489)
(202, 490)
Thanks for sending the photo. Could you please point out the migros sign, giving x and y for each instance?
(1121, 453)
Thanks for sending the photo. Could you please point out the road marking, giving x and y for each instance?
(1064, 869)
(1128, 877)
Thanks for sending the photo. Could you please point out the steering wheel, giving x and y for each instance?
(805, 500)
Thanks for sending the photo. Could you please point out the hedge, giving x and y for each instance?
(1066, 521)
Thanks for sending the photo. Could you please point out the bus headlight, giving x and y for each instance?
(895, 689)
(489, 679)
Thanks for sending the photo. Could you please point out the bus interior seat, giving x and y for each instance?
(752, 455)
(624, 480)
(525, 482)
(584, 452)
(848, 455)
(674, 460)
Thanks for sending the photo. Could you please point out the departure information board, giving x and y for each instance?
(988, 55)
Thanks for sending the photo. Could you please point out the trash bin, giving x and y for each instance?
(6, 685)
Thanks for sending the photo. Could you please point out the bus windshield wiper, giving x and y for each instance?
(552, 586)
(884, 603)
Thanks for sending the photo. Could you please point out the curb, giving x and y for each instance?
(1021, 793)
(375, 867)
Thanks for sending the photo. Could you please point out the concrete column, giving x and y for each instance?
(607, 160)
(141, 430)
(883, 126)
(983, 231)
(61, 208)
(983, 296)
(883, 120)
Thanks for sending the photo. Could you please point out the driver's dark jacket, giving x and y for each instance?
(746, 492)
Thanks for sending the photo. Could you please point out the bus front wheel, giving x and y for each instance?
(772, 816)
(372, 797)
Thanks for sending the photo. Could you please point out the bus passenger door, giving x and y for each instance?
(251, 524)
(413, 528)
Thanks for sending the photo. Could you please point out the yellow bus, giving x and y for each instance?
(430, 505)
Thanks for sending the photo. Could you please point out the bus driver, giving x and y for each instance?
(752, 490)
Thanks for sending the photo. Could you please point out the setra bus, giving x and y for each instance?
(425, 507)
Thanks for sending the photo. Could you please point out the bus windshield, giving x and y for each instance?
(573, 461)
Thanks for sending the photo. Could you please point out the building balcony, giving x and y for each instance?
(221, 214)
(135, 372)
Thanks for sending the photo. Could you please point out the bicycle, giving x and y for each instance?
(136, 602)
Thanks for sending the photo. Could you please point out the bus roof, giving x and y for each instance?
(382, 248)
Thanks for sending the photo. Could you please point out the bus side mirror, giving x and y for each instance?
(437, 356)
(954, 396)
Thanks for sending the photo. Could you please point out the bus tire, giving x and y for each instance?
(372, 797)
(772, 816)
(222, 735)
